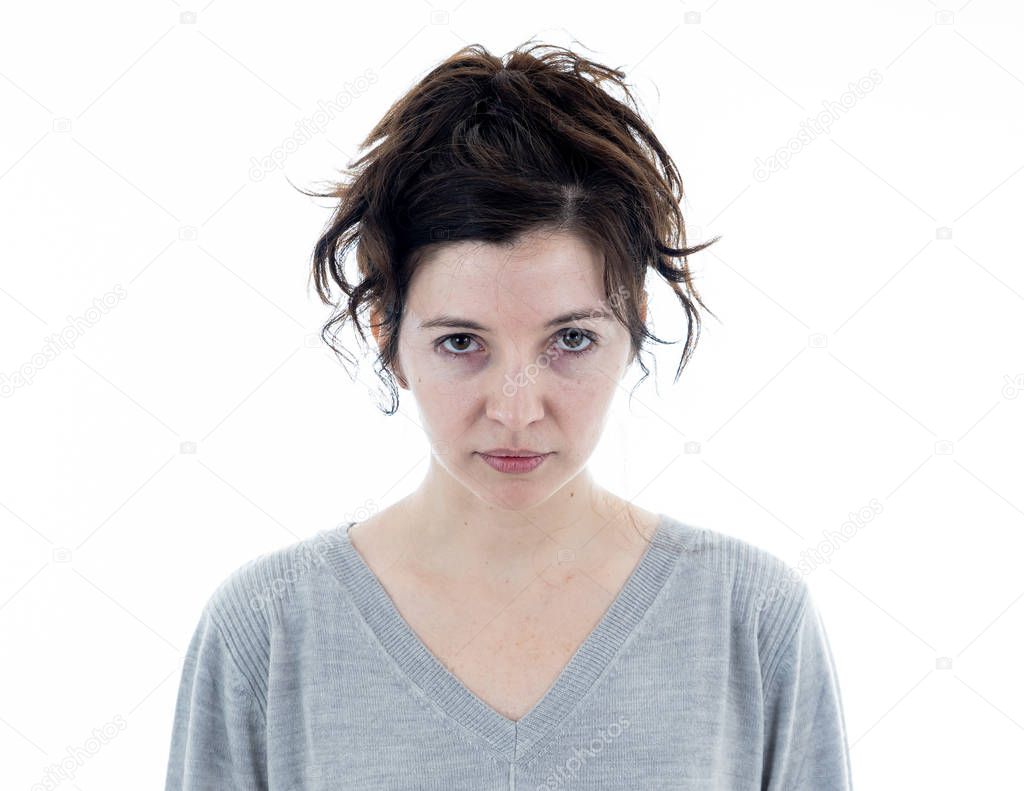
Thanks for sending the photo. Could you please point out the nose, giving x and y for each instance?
(515, 395)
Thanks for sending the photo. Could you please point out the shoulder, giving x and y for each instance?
(767, 597)
(755, 576)
(240, 614)
(254, 593)
(253, 597)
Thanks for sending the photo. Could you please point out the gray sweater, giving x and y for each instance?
(711, 669)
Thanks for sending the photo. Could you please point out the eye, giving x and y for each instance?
(462, 338)
(573, 336)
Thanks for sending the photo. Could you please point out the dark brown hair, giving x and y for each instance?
(485, 150)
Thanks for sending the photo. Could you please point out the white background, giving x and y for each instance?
(868, 361)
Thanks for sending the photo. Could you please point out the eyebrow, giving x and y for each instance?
(446, 320)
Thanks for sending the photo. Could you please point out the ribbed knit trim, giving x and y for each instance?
(766, 591)
(514, 739)
(244, 629)
(247, 603)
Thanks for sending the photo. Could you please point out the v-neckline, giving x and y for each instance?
(513, 739)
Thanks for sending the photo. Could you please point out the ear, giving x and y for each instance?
(381, 338)
(374, 327)
(399, 376)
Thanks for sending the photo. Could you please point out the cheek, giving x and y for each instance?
(583, 398)
(445, 406)
(605, 361)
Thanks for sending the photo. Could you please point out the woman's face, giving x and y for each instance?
(486, 350)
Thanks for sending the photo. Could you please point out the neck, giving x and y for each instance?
(449, 533)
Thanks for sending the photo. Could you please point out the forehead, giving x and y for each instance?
(543, 273)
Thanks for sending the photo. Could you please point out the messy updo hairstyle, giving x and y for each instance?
(488, 151)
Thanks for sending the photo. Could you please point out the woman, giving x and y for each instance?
(510, 624)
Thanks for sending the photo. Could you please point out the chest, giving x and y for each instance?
(507, 651)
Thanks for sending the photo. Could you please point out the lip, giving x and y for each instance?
(512, 452)
(514, 464)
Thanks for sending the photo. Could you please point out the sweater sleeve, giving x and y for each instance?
(806, 745)
(218, 738)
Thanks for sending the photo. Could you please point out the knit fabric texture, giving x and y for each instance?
(710, 669)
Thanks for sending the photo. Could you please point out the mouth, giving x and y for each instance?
(514, 464)
(513, 453)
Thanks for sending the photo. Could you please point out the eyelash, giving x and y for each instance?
(586, 333)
